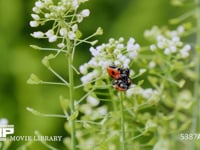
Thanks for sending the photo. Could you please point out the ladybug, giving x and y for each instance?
(121, 78)
(124, 73)
(121, 84)
(114, 72)
(117, 73)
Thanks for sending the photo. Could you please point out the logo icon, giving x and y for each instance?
(6, 130)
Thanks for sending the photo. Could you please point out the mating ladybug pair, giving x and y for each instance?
(121, 78)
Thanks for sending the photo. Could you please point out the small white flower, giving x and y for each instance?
(63, 31)
(121, 39)
(111, 40)
(167, 51)
(61, 45)
(102, 110)
(49, 33)
(161, 45)
(152, 64)
(34, 23)
(173, 33)
(117, 62)
(39, 4)
(84, 68)
(47, 15)
(93, 51)
(75, 4)
(142, 70)
(36, 10)
(3, 121)
(185, 51)
(173, 49)
(38, 34)
(119, 55)
(147, 93)
(136, 47)
(85, 12)
(86, 109)
(100, 48)
(187, 47)
(93, 62)
(74, 27)
(131, 41)
(60, 8)
(120, 46)
(122, 58)
(176, 39)
(152, 47)
(84, 79)
(52, 38)
(35, 16)
(71, 35)
(180, 29)
(93, 101)
(184, 54)
(126, 65)
(131, 90)
(133, 54)
(160, 38)
(130, 44)
(79, 18)
(47, 2)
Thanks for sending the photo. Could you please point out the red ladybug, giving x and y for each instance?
(117, 73)
(122, 85)
(121, 78)
(114, 72)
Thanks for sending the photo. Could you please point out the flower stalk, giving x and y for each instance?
(71, 91)
(122, 123)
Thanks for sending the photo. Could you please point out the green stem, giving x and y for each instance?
(122, 122)
(195, 121)
(110, 90)
(71, 99)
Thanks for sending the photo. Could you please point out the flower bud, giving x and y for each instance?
(33, 79)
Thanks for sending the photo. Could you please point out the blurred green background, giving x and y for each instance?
(17, 60)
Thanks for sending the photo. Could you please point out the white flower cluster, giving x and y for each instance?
(46, 10)
(90, 108)
(115, 52)
(149, 94)
(168, 41)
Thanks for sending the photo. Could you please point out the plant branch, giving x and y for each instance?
(122, 122)
(71, 91)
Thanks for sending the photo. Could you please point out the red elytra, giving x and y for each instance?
(114, 72)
